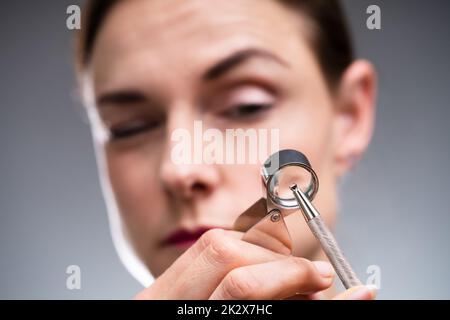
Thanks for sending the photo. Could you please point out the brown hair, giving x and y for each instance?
(330, 39)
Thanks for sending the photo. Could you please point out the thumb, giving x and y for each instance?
(368, 292)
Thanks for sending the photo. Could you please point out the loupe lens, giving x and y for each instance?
(286, 177)
(285, 168)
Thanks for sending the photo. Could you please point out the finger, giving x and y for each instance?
(368, 292)
(222, 255)
(159, 288)
(312, 296)
(277, 279)
(299, 297)
(198, 247)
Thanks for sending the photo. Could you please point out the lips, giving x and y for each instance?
(183, 238)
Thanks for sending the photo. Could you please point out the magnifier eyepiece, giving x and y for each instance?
(284, 169)
(291, 183)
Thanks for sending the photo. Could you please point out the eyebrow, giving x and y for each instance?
(222, 67)
(238, 58)
(120, 98)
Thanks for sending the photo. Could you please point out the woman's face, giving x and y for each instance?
(160, 65)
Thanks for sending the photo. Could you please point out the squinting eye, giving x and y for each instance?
(247, 110)
(128, 131)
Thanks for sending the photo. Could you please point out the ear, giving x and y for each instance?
(355, 115)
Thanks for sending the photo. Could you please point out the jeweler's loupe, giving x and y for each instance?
(291, 184)
(284, 169)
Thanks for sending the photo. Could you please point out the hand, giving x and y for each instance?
(222, 266)
(368, 292)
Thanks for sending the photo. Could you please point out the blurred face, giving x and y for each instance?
(160, 65)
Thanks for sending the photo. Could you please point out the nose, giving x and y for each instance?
(187, 180)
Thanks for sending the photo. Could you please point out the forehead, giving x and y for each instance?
(142, 36)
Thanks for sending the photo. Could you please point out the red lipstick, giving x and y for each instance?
(184, 238)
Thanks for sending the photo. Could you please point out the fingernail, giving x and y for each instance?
(325, 269)
(368, 292)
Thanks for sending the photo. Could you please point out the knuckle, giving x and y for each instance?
(222, 250)
(210, 235)
(239, 284)
(304, 268)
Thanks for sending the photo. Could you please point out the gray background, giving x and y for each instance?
(394, 205)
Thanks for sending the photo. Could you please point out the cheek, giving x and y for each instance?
(245, 184)
(133, 179)
(308, 127)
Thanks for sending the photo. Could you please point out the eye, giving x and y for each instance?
(132, 129)
(246, 101)
(246, 110)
